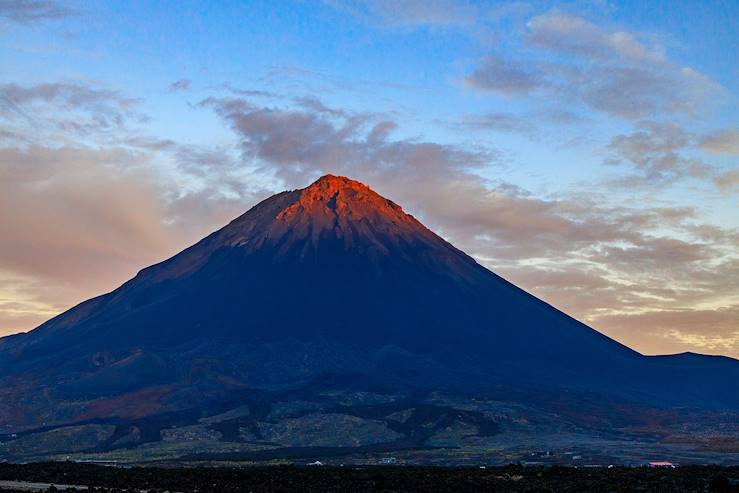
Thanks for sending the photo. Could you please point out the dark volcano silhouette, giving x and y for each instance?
(325, 287)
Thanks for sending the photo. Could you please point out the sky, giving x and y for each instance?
(586, 151)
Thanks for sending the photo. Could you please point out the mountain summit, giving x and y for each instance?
(334, 208)
(331, 290)
(333, 202)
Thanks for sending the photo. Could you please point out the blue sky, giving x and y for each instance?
(587, 151)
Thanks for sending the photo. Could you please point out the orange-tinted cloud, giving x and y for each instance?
(74, 219)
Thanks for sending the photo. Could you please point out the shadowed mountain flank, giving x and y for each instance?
(331, 288)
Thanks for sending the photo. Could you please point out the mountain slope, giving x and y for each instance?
(331, 286)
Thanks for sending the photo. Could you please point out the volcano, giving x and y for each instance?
(331, 312)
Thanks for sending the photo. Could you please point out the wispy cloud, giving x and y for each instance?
(569, 33)
(724, 141)
(728, 181)
(505, 77)
(180, 85)
(13, 96)
(500, 122)
(84, 219)
(605, 70)
(713, 330)
(658, 154)
(654, 150)
(32, 11)
(412, 13)
(67, 108)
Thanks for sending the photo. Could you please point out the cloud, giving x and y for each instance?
(658, 153)
(412, 13)
(31, 11)
(635, 92)
(299, 143)
(115, 220)
(725, 141)
(67, 95)
(655, 150)
(532, 125)
(27, 302)
(657, 253)
(564, 32)
(66, 108)
(610, 71)
(573, 66)
(500, 122)
(504, 77)
(727, 181)
(314, 104)
(661, 331)
(180, 85)
(249, 92)
(78, 220)
(651, 296)
(630, 92)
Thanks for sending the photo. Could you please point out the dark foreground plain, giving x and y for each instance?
(512, 478)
